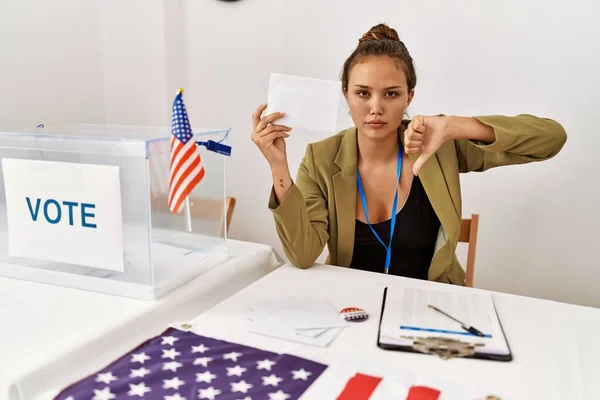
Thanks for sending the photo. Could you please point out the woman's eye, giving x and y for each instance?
(362, 93)
(392, 94)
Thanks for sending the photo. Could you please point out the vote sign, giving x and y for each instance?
(64, 212)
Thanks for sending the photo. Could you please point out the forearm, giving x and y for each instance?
(282, 181)
(513, 140)
(468, 128)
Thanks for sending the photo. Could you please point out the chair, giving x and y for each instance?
(203, 209)
(468, 234)
(213, 209)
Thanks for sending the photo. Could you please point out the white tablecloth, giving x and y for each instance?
(50, 335)
(555, 346)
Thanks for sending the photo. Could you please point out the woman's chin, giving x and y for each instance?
(377, 133)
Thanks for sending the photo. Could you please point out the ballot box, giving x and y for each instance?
(86, 206)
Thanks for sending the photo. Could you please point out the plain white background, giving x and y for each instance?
(68, 61)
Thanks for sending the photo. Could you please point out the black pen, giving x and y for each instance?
(471, 329)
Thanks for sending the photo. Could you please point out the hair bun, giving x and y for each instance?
(379, 32)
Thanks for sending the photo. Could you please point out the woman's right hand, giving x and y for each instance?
(269, 137)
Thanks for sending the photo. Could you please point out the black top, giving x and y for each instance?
(413, 243)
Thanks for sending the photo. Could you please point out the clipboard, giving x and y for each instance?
(447, 345)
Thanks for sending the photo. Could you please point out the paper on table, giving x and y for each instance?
(470, 309)
(406, 315)
(304, 319)
(275, 331)
(298, 313)
(308, 103)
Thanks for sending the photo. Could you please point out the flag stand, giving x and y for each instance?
(188, 214)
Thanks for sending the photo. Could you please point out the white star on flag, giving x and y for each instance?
(140, 357)
(232, 356)
(200, 368)
(106, 378)
(171, 353)
(172, 366)
(170, 340)
(235, 371)
(199, 349)
(272, 380)
(279, 395)
(265, 364)
(173, 383)
(206, 376)
(139, 373)
(138, 390)
(203, 361)
(209, 393)
(103, 394)
(176, 396)
(241, 386)
(301, 374)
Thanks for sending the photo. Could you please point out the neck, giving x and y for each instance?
(377, 151)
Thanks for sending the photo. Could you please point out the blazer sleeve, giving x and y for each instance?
(301, 218)
(519, 140)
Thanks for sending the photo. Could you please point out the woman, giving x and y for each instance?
(388, 177)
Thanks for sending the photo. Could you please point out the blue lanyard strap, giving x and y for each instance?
(361, 191)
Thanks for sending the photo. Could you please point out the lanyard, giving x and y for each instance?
(361, 191)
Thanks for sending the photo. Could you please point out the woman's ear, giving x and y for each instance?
(411, 95)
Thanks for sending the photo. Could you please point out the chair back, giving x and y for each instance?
(206, 209)
(468, 234)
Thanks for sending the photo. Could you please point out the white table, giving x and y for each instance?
(49, 335)
(555, 346)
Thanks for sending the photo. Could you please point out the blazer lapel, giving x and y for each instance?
(344, 189)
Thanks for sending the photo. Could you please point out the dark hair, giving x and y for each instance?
(381, 40)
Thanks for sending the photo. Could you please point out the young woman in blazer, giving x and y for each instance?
(388, 176)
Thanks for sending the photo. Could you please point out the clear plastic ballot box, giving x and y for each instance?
(87, 207)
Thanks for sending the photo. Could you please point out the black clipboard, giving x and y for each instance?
(481, 356)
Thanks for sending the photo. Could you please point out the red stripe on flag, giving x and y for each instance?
(176, 184)
(423, 393)
(189, 188)
(359, 387)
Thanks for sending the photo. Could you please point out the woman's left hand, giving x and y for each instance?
(424, 136)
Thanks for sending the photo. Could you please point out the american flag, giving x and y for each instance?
(186, 168)
(179, 364)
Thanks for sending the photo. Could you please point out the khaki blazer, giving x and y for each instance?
(320, 208)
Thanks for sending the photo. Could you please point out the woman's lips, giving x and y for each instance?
(376, 124)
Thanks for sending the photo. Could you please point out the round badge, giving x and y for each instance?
(354, 314)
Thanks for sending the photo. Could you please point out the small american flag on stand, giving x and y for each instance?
(186, 169)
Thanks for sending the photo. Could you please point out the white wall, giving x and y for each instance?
(50, 62)
(538, 222)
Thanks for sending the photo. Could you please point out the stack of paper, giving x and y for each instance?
(309, 320)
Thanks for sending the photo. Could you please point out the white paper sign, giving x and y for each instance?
(307, 102)
(64, 212)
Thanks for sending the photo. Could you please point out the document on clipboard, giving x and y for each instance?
(408, 323)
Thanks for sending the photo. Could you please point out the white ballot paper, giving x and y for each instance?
(304, 319)
(308, 103)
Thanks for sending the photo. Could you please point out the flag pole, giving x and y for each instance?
(188, 214)
(188, 211)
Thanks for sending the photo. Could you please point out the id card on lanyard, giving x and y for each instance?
(361, 191)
